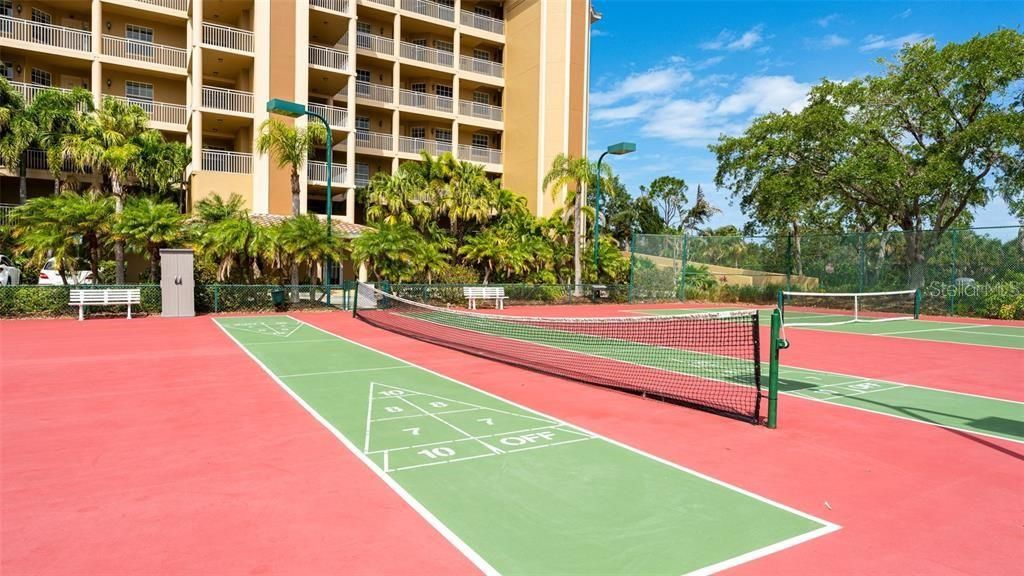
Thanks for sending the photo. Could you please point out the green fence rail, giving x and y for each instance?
(966, 272)
(515, 294)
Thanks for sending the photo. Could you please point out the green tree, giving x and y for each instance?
(304, 240)
(214, 208)
(392, 252)
(147, 224)
(161, 171)
(573, 176)
(41, 232)
(397, 198)
(90, 217)
(110, 141)
(921, 146)
(17, 134)
(58, 116)
(668, 196)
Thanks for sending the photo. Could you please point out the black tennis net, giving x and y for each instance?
(709, 361)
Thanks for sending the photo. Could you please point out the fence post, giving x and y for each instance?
(952, 276)
(682, 273)
(789, 261)
(861, 253)
(632, 263)
(216, 298)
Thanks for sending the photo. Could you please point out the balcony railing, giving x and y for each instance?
(6, 209)
(45, 34)
(316, 172)
(479, 154)
(145, 52)
(328, 58)
(30, 91)
(480, 66)
(340, 6)
(417, 145)
(374, 43)
(224, 161)
(426, 101)
(374, 141)
(227, 99)
(36, 160)
(336, 117)
(428, 55)
(375, 92)
(480, 110)
(172, 4)
(474, 20)
(383, 2)
(160, 111)
(227, 37)
(431, 9)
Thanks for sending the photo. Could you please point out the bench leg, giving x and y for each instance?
(81, 310)
(129, 311)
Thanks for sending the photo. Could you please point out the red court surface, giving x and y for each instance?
(157, 446)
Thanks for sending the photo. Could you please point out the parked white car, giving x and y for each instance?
(50, 276)
(9, 273)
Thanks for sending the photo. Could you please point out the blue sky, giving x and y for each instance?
(671, 75)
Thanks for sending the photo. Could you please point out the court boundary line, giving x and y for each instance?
(827, 527)
(390, 482)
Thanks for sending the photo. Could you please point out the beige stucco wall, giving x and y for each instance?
(206, 184)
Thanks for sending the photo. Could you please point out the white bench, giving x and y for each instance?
(474, 293)
(105, 297)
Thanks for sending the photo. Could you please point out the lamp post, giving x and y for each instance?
(294, 110)
(617, 149)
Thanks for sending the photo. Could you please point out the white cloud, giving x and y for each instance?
(708, 62)
(877, 42)
(715, 80)
(825, 21)
(728, 40)
(598, 33)
(619, 113)
(760, 94)
(660, 81)
(828, 41)
(905, 14)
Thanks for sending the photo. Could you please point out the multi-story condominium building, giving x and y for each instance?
(503, 84)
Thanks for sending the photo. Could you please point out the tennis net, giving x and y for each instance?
(833, 309)
(709, 361)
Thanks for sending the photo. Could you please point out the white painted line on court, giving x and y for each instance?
(344, 371)
(469, 436)
(421, 415)
(826, 526)
(523, 431)
(949, 329)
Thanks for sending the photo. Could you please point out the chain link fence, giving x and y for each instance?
(965, 272)
(515, 294)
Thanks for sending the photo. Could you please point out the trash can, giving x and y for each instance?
(277, 295)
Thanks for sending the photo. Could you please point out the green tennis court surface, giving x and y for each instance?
(517, 491)
(931, 330)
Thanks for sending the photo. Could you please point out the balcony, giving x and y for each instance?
(225, 161)
(390, 3)
(485, 23)
(480, 66)
(227, 37)
(227, 99)
(428, 55)
(6, 209)
(479, 154)
(160, 112)
(417, 145)
(378, 141)
(330, 58)
(375, 92)
(375, 44)
(316, 173)
(181, 5)
(479, 110)
(429, 9)
(30, 91)
(35, 159)
(45, 34)
(426, 101)
(339, 6)
(145, 52)
(336, 117)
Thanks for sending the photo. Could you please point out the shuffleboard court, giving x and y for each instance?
(517, 491)
(996, 335)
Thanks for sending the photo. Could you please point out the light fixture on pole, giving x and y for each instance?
(294, 110)
(617, 149)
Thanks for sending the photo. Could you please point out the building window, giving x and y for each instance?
(443, 135)
(41, 77)
(444, 46)
(362, 75)
(7, 8)
(481, 97)
(364, 28)
(482, 11)
(41, 17)
(138, 90)
(140, 41)
(418, 133)
(442, 90)
(419, 87)
(481, 140)
(8, 71)
(419, 42)
(481, 54)
(362, 123)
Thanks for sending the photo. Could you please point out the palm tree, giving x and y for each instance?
(17, 133)
(394, 252)
(304, 239)
(397, 198)
(487, 249)
(58, 115)
(149, 224)
(214, 208)
(162, 170)
(233, 241)
(88, 216)
(40, 231)
(111, 142)
(574, 175)
(465, 195)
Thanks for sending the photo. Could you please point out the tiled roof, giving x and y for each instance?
(342, 228)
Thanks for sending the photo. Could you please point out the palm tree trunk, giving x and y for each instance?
(22, 183)
(115, 184)
(154, 262)
(296, 209)
(577, 236)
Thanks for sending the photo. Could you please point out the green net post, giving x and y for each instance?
(781, 299)
(355, 300)
(917, 303)
(632, 264)
(773, 368)
(216, 298)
